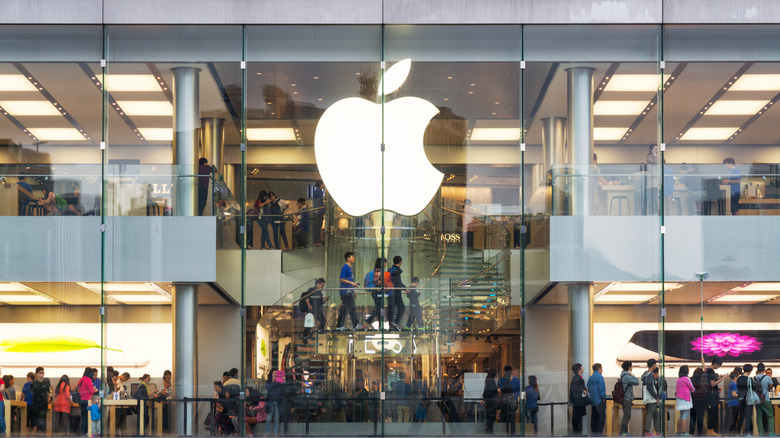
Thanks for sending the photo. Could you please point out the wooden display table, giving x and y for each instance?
(22, 405)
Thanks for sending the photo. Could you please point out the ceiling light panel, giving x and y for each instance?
(141, 298)
(14, 287)
(116, 83)
(640, 82)
(495, 134)
(757, 82)
(270, 134)
(623, 298)
(30, 108)
(146, 108)
(759, 287)
(643, 287)
(21, 299)
(57, 134)
(619, 107)
(744, 298)
(736, 107)
(157, 134)
(16, 83)
(703, 134)
(604, 134)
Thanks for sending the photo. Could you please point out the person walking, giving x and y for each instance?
(651, 398)
(628, 380)
(578, 397)
(347, 292)
(532, 397)
(396, 306)
(598, 401)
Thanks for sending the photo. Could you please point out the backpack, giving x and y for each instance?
(60, 202)
(302, 307)
(368, 282)
(760, 389)
(618, 392)
(751, 397)
(388, 280)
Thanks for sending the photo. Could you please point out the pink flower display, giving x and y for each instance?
(723, 344)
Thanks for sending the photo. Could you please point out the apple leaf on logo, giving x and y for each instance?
(394, 77)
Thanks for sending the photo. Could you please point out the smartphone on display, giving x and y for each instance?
(738, 346)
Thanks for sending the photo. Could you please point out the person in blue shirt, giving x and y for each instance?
(509, 386)
(532, 397)
(598, 401)
(732, 401)
(734, 180)
(396, 305)
(347, 287)
(24, 184)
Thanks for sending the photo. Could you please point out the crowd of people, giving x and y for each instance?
(69, 393)
(272, 213)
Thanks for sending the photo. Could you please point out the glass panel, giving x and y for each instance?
(172, 196)
(591, 200)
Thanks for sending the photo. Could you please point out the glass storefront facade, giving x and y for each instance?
(395, 230)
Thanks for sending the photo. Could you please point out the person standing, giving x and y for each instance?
(578, 396)
(41, 391)
(94, 415)
(318, 210)
(598, 401)
(682, 393)
(277, 208)
(510, 393)
(745, 410)
(713, 393)
(301, 225)
(396, 306)
(403, 392)
(315, 301)
(734, 180)
(490, 400)
(651, 397)
(204, 170)
(415, 311)
(86, 388)
(628, 380)
(532, 396)
(732, 402)
(61, 407)
(373, 283)
(347, 291)
(699, 399)
(764, 410)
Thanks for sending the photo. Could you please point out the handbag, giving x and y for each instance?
(751, 398)
(308, 322)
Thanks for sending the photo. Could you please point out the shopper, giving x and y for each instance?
(61, 407)
(713, 380)
(510, 393)
(734, 180)
(764, 410)
(373, 284)
(490, 400)
(732, 402)
(532, 397)
(598, 401)
(651, 398)
(396, 306)
(347, 292)
(318, 212)
(699, 399)
(94, 415)
(415, 311)
(275, 387)
(628, 380)
(301, 225)
(277, 208)
(578, 397)
(41, 391)
(682, 392)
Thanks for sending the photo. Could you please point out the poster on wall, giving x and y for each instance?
(263, 352)
(735, 343)
(69, 348)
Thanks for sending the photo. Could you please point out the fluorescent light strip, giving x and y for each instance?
(744, 298)
(757, 82)
(619, 107)
(146, 107)
(495, 134)
(703, 134)
(609, 298)
(31, 298)
(116, 83)
(30, 108)
(16, 83)
(759, 287)
(157, 134)
(643, 287)
(604, 134)
(270, 134)
(736, 107)
(57, 134)
(140, 298)
(638, 82)
(15, 287)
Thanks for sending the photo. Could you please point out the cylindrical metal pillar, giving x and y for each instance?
(186, 107)
(212, 141)
(554, 144)
(580, 138)
(580, 330)
(185, 355)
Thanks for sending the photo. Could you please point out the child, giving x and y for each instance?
(415, 311)
(94, 414)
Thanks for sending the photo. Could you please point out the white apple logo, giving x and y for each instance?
(347, 146)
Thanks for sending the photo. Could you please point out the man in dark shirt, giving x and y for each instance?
(713, 393)
(203, 184)
(302, 225)
(415, 311)
(745, 410)
(396, 305)
(41, 390)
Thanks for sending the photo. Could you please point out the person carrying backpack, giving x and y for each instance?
(598, 401)
(764, 409)
(651, 397)
(627, 381)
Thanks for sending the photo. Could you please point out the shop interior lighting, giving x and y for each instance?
(604, 134)
(619, 107)
(622, 298)
(116, 83)
(157, 134)
(757, 82)
(30, 108)
(57, 134)
(631, 82)
(495, 134)
(141, 298)
(16, 83)
(736, 107)
(643, 287)
(146, 107)
(744, 298)
(708, 133)
(758, 287)
(15, 287)
(270, 134)
(22, 299)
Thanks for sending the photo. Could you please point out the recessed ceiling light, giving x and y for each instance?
(757, 82)
(634, 298)
(708, 133)
(604, 134)
(132, 83)
(157, 134)
(640, 82)
(744, 298)
(270, 134)
(736, 107)
(316, 77)
(20, 299)
(619, 107)
(495, 134)
(30, 108)
(52, 134)
(146, 108)
(16, 83)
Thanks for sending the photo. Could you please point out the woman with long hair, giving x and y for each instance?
(682, 392)
(699, 399)
(86, 389)
(490, 400)
(61, 406)
(263, 211)
(532, 397)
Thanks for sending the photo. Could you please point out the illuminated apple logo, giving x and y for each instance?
(347, 148)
